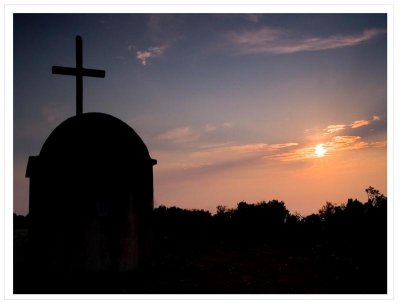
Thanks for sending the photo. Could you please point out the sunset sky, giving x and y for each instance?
(234, 107)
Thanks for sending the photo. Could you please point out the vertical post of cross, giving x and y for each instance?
(79, 77)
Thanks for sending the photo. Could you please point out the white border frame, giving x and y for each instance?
(393, 147)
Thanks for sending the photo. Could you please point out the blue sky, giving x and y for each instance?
(231, 105)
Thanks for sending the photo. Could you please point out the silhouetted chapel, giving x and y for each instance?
(91, 191)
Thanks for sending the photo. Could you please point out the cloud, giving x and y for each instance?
(153, 52)
(281, 146)
(335, 144)
(334, 128)
(162, 32)
(214, 158)
(256, 41)
(243, 149)
(235, 149)
(379, 144)
(295, 155)
(247, 148)
(346, 142)
(355, 124)
(209, 128)
(267, 40)
(359, 123)
(189, 134)
(179, 135)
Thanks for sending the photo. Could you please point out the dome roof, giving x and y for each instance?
(95, 138)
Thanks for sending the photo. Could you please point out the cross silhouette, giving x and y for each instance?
(79, 72)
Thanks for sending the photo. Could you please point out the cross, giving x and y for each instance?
(79, 72)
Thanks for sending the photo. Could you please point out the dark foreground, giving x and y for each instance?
(185, 268)
(254, 249)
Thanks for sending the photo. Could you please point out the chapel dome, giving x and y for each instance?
(95, 138)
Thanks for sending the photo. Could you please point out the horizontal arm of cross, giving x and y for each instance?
(59, 70)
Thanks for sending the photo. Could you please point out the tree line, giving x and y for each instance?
(271, 222)
(347, 242)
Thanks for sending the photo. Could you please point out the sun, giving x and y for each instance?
(320, 150)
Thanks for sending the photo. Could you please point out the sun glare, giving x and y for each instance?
(320, 150)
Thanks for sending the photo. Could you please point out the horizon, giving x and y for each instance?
(235, 107)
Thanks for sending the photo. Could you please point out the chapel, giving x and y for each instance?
(91, 192)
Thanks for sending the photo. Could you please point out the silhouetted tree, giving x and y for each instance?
(374, 196)
(328, 211)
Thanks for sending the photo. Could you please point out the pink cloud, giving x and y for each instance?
(379, 144)
(295, 155)
(359, 123)
(346, 142)
(277, 41)
(283, 145)
(355, 124)
(179, 135)
(245, 149)
(152, 52)
(210, 128)
(334, 128)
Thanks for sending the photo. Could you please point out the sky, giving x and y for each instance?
(234, 107)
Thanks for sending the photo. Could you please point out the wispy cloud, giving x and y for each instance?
(227, 125)
(189, 133)
(202, 155)
(162, 33)
(245, 149)
(223, 156)
(379, 144)
(237, 149)
(267, 40)
(179, 135)
(345, 142)
(153, 52)
(335, 144)
(334, 128)
(210, 127)
(359, 123)
(294, 155)
(355, 124)
(283, 145)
